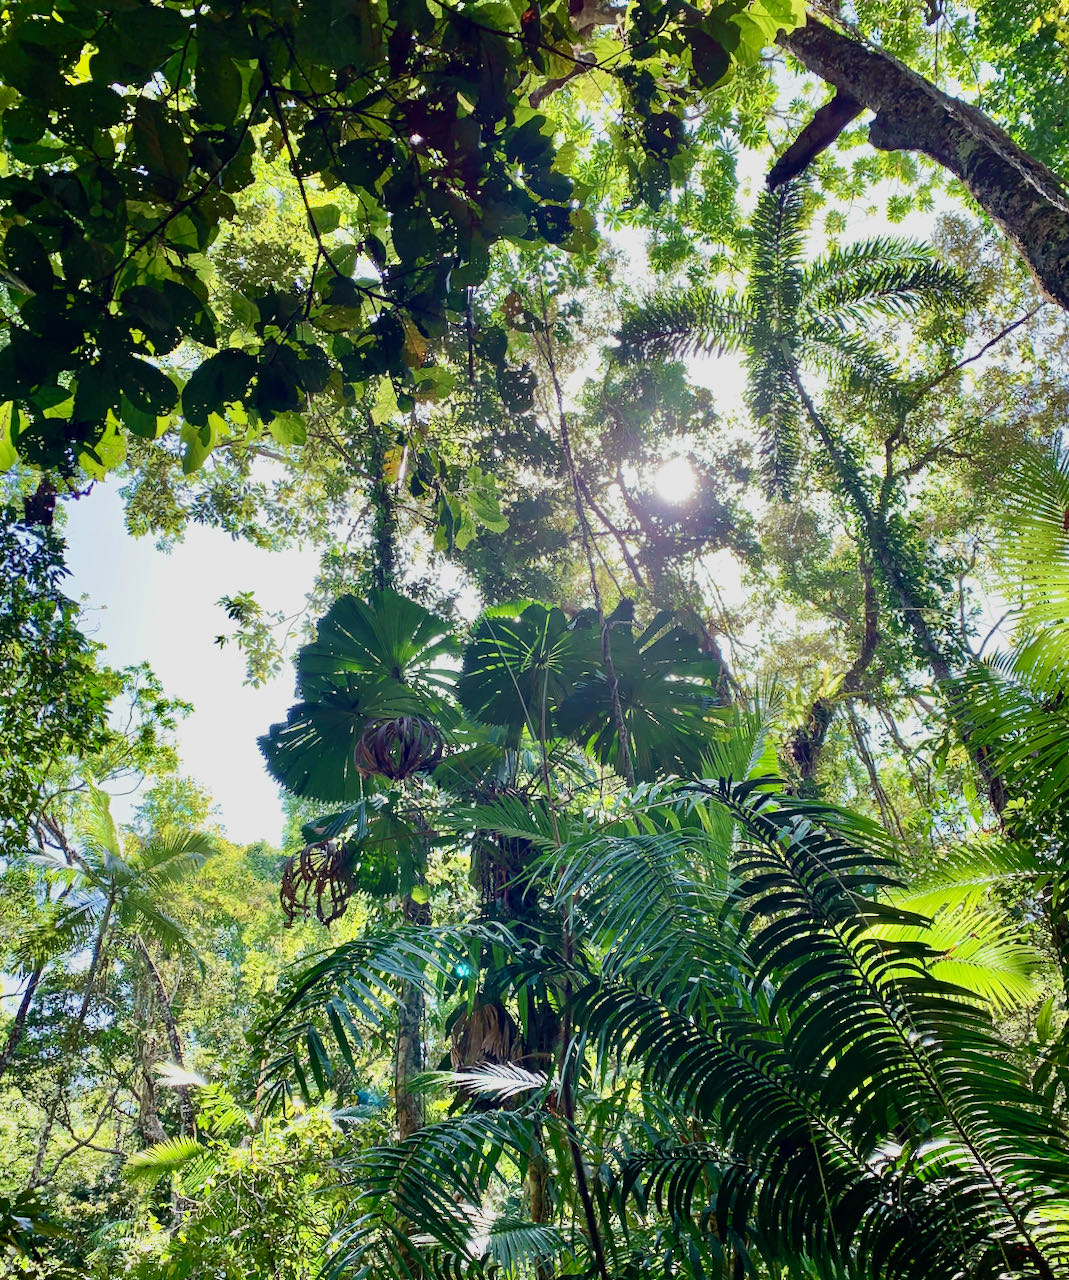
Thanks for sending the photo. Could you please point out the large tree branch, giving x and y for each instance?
(1026, 200)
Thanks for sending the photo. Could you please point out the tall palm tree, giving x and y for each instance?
(113, 892)
(794, 317)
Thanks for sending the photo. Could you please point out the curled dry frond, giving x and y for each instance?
(487, 1034)
(399, 747)
(322, 871)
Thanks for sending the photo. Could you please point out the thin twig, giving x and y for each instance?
(627, 766)
(993, 342)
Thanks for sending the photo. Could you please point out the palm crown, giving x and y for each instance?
(794, 313)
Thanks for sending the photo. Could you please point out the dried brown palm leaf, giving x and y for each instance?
(487, 1034)
(399, 747)
(322, 873)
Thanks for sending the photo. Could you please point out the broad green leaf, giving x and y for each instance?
(9, 424)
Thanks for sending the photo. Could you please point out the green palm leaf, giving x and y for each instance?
(793, 314)
(386, 637)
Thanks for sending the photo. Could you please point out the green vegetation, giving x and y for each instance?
(676, 784)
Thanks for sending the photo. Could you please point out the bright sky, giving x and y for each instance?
(146, 605)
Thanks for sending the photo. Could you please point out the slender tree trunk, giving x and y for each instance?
(71, 1041)
(876, 533)
(185, 1103)
(888, 814)
(408, 1048)
(807, 742)
(21, 1014)
(408, 1051)
(1025, 198)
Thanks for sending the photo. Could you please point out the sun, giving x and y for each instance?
(675, 481)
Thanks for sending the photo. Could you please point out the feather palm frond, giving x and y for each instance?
(438, 1180)
(1037, 561)
(878, 279)
(337, 998)
(188, 1156)
(684, 322)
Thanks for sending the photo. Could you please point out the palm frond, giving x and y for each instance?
(877, 279)
(776, 258)
(1036, 547)
(973, 948)
(173, 856)
(174, 1155)
(498, 1080)
(519, 1247)
(825, 1076)
(1022, 726)
(97, 826)
(852, 361)
(333, 1000)
(678, 323)
(437, 1181)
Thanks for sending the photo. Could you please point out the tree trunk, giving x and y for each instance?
(408, 1051)
(1026, 200)
(876, 532)
(185, 1103)
(71, 1041)
(19, 1025)
(807, 741)
(149, 1124)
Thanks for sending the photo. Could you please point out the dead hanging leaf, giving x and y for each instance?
(319, 878)
(399, 747)
(487, 1034)
(415, 348)
(392, 461)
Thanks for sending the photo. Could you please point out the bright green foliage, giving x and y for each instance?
(810, 1092)
(133, 135)
(257, 1204)
(370, 661)
(130, 888)
(664, 685)
(53, 695)
(526, 668)
(1026, 44)
(521, 664)
(1017, 699)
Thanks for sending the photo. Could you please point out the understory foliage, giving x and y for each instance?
(752, 1060)
(677, 755)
